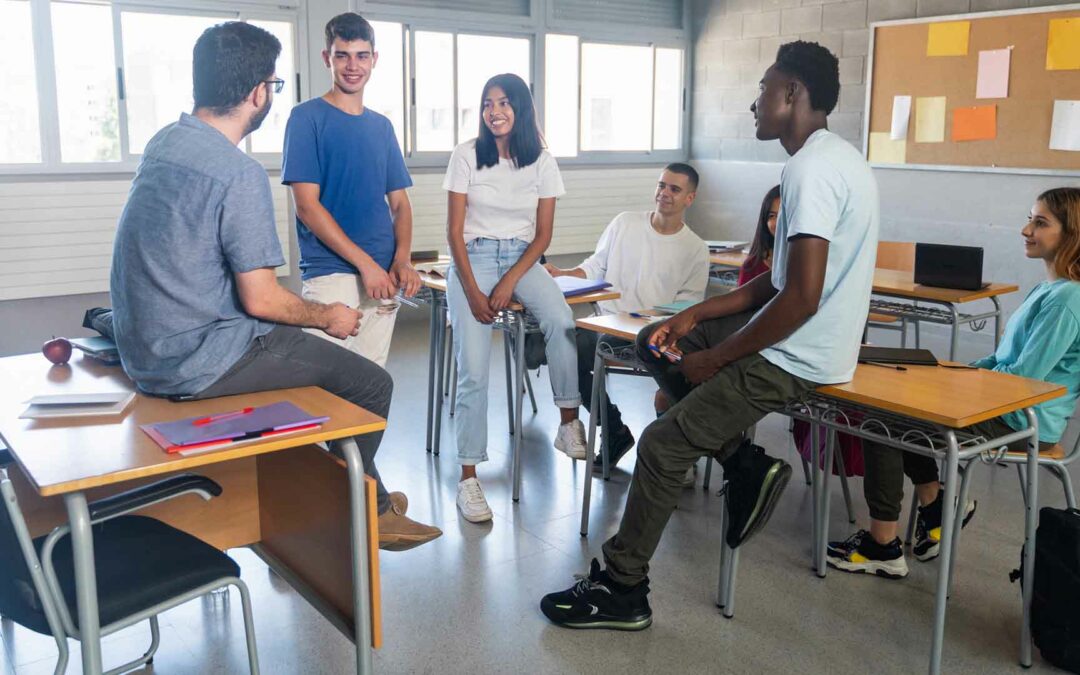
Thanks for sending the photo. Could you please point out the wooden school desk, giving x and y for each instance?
(514, 322)
(284, 497)
(724, 266)
(921, 409)
(901, 284)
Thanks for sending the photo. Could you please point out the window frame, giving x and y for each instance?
(51, 163)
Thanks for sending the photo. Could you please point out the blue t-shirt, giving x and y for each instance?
(1042, 342)
(355, 160)
(199, 211)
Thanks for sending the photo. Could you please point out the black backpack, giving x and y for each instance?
(1055, 603)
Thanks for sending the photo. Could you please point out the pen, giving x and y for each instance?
(674, 357)
(203, 421)
(884, 365)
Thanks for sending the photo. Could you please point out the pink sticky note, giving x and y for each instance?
(993, 79)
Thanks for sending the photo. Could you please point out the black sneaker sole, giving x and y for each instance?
(838, 565)
(771, 488)
(607, 623)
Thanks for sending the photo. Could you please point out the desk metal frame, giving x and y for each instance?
(949, 315)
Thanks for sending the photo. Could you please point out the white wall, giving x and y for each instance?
(736, 40)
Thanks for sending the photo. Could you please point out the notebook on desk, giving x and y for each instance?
(230, 427)
(573, 286)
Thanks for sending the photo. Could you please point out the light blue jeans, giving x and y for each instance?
(538, 292)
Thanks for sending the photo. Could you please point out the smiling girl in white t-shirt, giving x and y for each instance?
(502, 188)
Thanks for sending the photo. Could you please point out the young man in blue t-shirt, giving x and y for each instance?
(348, 179)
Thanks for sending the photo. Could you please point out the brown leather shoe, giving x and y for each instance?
(400, 533)
(399, 503)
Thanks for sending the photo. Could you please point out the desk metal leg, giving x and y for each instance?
(815, 488)
(997, 320)
(954, 337)
(82, 547)
(948, 531)
(519, 396)
(432, 346)
(440, 341)
(361, 592)
(598, 375)
(1031, 518)
(826, 502)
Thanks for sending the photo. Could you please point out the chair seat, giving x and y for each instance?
(140, 562)
(875, 317)
(1053, 452)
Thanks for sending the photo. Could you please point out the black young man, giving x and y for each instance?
(752, 351)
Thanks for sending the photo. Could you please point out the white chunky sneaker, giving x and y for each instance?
(571, 440)
(470, 501)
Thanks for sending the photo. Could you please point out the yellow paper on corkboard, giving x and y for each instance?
(930, 119)
(1063, 45)
(884, 150)
(949, 38)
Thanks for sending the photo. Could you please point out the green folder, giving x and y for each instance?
(675, 307)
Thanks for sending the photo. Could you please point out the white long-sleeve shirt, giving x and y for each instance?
(648, 268)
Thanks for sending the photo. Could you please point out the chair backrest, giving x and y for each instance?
(896, 255)
(20, 590)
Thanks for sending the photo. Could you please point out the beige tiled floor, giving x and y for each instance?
(468, 602)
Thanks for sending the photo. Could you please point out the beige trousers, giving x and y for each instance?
(376, 324)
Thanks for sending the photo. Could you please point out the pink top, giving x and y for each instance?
(750, 271)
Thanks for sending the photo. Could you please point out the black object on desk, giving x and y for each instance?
(945, 266)
(893, 355)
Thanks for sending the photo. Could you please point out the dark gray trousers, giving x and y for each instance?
(288, 357)
(586, 355)
(706, 420)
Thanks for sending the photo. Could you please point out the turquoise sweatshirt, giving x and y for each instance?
(1042, 342)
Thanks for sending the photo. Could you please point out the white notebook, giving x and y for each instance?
(106, 404)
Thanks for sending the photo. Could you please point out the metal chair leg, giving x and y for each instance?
(903, 333)
(249, 628)
(529, 389)
(1062, 472)
(708, 473)
(805, 469)
(1023, 482)
(961, 508)
(448, 357)
(910, 536)
(148, 656)
(453, 387)
(509, 381)
(842, 470)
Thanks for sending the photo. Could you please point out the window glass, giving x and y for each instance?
(20, 133)
(616, 97)
(270, 136)
(561, 92)
(385, 91)
(86, 82)
(480, 57)
(434, 91)
(668, 100)
(157, 70)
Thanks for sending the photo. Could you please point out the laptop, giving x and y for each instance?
(946, 266)
(909, 357)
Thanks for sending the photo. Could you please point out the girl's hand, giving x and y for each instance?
(502, 294)
(481, 309)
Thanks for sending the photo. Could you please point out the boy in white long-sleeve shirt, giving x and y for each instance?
(651, 258)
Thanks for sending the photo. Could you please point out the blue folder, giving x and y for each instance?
(572, 286)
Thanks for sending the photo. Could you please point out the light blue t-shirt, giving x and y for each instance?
(1042, 342)
(199, 211)
(355, 160)
(827, 190)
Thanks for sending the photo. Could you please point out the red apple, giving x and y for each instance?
(57, 350)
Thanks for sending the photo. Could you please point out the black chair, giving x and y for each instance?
(144, 567)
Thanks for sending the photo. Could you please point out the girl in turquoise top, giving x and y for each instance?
(1041, 341)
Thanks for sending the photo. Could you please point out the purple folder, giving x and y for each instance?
(571, 286)
(274, 417)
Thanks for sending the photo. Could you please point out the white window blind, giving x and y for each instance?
(645, 13)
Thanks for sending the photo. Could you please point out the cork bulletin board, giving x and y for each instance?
(1020, 122)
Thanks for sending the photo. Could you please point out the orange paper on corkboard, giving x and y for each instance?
(975, 124)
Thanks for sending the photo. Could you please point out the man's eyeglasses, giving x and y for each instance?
(278, 83)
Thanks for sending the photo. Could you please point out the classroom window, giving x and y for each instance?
(270, 136)
(616, 97)
(20, 133)
(479, 57)
(86, 94)
(157, 70)
(667, 99)
(434, 91)
(561, 104)
(385, 91)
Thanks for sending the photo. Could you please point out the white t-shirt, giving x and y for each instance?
(646, 267)
(827, 190)
(502, 199)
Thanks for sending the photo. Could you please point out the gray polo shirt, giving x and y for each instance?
(199, 211)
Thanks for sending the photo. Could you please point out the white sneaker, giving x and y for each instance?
(571, 440)
(690, 479)
(470, 501)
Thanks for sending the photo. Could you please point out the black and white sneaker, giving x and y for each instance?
(755, 482)
(927, 544)
(860, 554)
(596, 601)
(618, 445)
